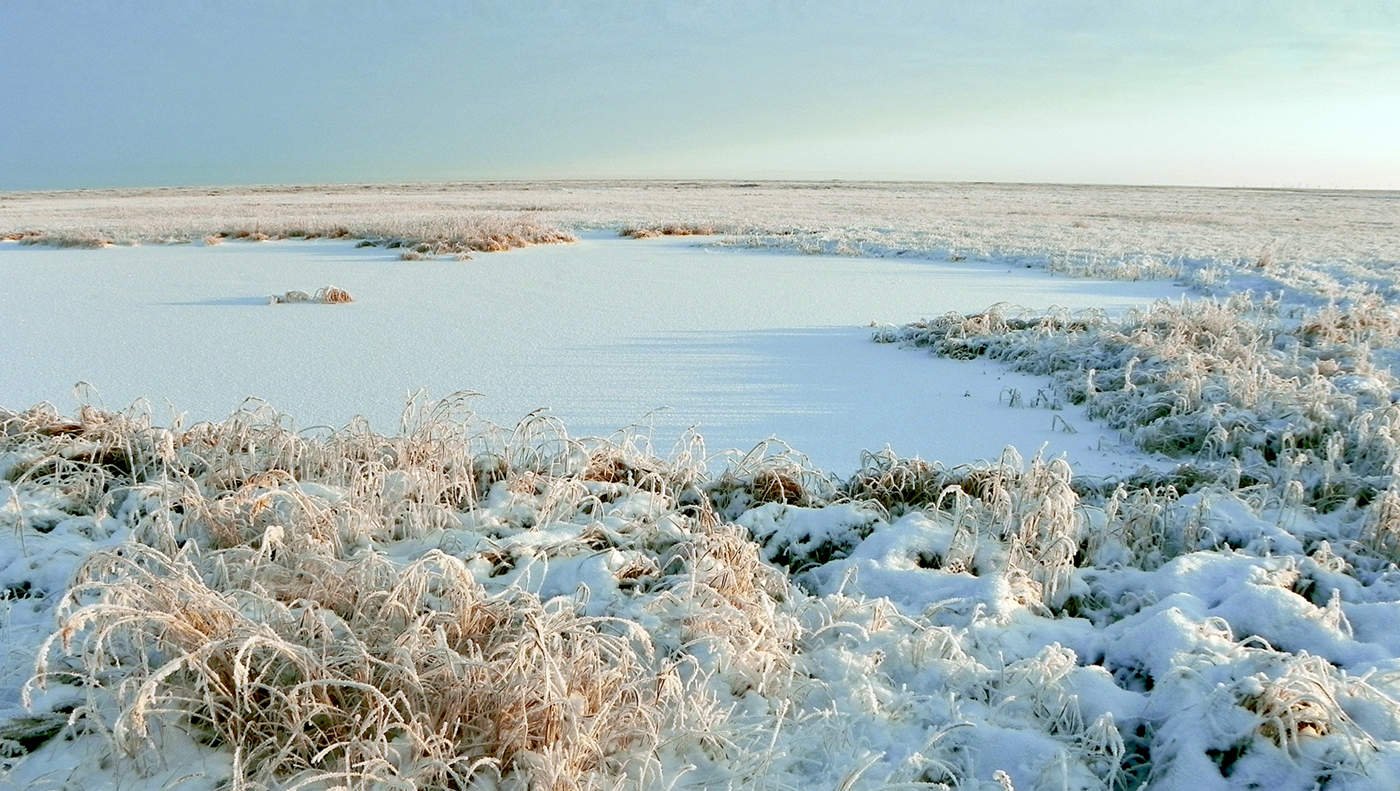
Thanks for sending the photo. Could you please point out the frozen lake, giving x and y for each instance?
(606, 333)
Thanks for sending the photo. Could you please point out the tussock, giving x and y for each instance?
(327, 295)
(667, 229)
(408, 674)
(61, 240)
(897, 484)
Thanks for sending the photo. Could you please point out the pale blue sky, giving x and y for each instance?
(120, 92)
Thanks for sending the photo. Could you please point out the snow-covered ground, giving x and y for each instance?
(665, 334)
(448, 604)
(1282, 227)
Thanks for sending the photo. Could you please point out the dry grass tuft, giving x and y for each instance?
(668, 229)
(614, 465)
(897, 484)
(770, 473)
(77, 241)
(256, 612)
(332, 295)
(1302, 701)
(733, 602)
(328, 295)
(363, 671)
(489, 234)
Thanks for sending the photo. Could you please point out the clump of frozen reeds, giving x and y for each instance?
(326, 295)
(1300, 702)
(424, 238)
(252, 606)
(458, 237)
(1007, 517)
(731, 604)
(82, 460)
(897, 484)
(1380, 532)
(1043, 531)
(1030, 515)
(360, 671)
(667, 229)
(1115, 267)
(770, 473)
(81, 242)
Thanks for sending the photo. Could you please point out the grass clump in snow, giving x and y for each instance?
(259, 610)
(77, 241)
(770, 473)
(312, 666)
(666, 229)
(327, 295)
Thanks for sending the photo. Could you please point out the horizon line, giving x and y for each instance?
(707, 180)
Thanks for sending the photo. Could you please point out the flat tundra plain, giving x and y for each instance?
(700, 484)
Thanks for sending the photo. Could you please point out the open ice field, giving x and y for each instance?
(607, 333)
(1193, 584)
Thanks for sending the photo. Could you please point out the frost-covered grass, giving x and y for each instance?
(451, 235)
(325, 295)
(467, 605)
(668, 229)
(1246, 389)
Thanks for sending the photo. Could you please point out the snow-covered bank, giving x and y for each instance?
(467, 607)
(740, 345)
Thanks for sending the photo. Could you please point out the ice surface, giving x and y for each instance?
(741, 344)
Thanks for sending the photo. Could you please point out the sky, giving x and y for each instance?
(193, 92)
